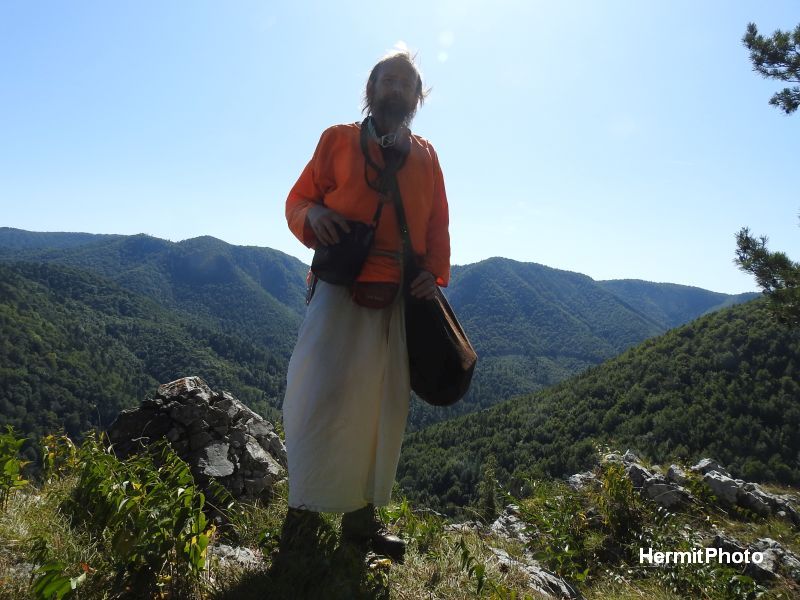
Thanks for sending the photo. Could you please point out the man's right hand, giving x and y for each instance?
(323, 222)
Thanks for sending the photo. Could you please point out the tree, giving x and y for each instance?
(777, 57)
(775, 273)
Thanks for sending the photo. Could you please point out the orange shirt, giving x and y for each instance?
(335, 177)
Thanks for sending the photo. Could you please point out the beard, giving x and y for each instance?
(394, 110)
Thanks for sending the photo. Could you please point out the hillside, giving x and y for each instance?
(726, 385)
(253, 292)
(671, 304)
(115, 529)
(76, 348)
(533, 326)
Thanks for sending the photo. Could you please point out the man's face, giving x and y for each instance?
(394, 93)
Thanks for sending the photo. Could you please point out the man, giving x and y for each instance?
(348, 388)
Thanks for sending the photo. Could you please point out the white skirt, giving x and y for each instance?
(346, 404)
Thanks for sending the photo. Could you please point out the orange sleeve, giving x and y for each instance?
(312, 185)
(437, 257)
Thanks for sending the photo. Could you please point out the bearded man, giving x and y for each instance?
(348, 388)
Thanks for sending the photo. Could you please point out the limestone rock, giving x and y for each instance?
(542, 581)
(676, 475)
(709, 464)
(779, 558)
(665, 494)
(580, 481)
(509, 525)
(630, 457)
(229, 556)
(725, 488)
(218, 436)
(638, 474)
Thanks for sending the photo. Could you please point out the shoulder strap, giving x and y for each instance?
(386, 182)
(409, 261)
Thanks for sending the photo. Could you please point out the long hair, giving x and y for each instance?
(407, 57)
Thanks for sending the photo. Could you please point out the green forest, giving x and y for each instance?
(76, 349)
(724, 386)
(93, 323)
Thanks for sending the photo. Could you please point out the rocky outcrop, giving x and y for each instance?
(540, 580)
(218, 436)
(664, 491)
(737, 492)
(510, 526)
(774, 559)
(581, 481)
(669, 491)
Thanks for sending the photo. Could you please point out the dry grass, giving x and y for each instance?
(434, 569)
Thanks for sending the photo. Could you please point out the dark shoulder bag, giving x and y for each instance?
(440, 356)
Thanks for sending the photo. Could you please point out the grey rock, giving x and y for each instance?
(612, 457)
(709, 464)
(754, 502)
(228, 406)
(724, 488)
(199, 440)
(510, 526)
(778, 555)
(580, 481)
(465, 527)
(186, 414)
(154, 403)
(174, 434)
(677, 475)
(638, 474)
(727, 543)
(665, 494)
(210, 432)
(229, 556)
(278, 449)
(630, 457)
(213, 461)
(541, 580)
(134, 429)
(259, 429)
(186, 387)
(237, 438)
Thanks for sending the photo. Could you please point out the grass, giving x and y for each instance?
(589, 537)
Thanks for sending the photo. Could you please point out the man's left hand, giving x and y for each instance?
(424, 286)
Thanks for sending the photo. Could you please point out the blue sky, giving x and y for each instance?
(620, 139)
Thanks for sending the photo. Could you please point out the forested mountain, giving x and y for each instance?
(671, 304)
(533, 326)
(252, 292)
(76, 348)
(18, 239)
(726, 385)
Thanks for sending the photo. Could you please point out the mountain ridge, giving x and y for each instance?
(533, 325)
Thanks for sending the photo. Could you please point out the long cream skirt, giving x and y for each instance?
(346, 404)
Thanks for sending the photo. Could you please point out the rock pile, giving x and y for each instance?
(509, 525)
(777, 560)
(736, 492)
(667, 491)
(217, 435)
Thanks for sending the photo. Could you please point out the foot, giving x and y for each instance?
(301, 528)
(362, 526)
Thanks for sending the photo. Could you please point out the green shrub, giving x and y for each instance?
(557, 520)
(148, 514)
(10, 465)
